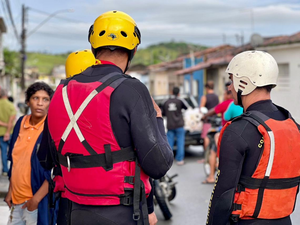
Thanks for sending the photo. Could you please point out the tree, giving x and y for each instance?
(12, 63)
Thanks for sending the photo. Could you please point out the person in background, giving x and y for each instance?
(259, 152)
(220, 108)
(79, 61)
(172, 109)
(7, 120)
(76, 63)
(233, 111)
(209, 101)
(28, 188)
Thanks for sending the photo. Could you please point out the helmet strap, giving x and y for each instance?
(130, 56)
(239, 96)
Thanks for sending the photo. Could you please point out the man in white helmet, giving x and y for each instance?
(259, 152)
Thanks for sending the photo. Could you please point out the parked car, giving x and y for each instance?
(193, 123)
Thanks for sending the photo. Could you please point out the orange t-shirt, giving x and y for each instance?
(21, 155)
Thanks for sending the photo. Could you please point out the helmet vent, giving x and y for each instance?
(123, 34)
(243, 84)
(102, 33)
(134, 34)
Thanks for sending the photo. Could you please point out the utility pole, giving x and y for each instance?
(23, 47)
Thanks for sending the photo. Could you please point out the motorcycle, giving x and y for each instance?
(164, 192)
(216, 123)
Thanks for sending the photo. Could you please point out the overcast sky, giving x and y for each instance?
(209, 23)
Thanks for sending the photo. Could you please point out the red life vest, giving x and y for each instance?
(270, 193)
(96, 170)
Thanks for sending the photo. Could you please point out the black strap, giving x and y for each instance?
(137, 193)
(129, 179)
(257, 116)
(284, 183)
(260, 197)
(108, 158)
(144, 205)
(139, 196)
(239, 95)
(88, 147)
(240, 188)
(234, 218)
(126, 200)
(236, 207)
(99, 160)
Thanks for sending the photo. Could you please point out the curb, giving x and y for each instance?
(2, 194)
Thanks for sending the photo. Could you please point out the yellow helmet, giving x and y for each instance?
(114, 29)
(79, 61)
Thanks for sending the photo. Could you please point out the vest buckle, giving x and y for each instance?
(68, 162)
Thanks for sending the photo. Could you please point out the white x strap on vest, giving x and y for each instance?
(74, 118)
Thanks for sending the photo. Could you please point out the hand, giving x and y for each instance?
(3, 124)
(6, 137)
(8, 199)
(204, 117)
(31, 205)
(152, 219)
(157, 109)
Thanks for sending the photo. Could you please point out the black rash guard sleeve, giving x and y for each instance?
(154, 153)
(231, 161)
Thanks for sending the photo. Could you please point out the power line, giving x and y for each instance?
(11, 19)
(59, 17)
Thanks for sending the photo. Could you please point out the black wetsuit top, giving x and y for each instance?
(239, 155)
(134, 123)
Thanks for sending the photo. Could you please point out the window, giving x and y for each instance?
(283, 82)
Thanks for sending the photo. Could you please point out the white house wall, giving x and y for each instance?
(287, 92)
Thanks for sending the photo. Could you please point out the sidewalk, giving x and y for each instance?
(3, 186)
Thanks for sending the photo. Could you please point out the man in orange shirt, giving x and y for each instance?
(28, 180)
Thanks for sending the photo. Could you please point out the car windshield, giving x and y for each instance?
(189, 100)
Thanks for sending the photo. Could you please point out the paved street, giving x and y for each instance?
(190, 204)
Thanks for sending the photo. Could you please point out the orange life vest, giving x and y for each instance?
(270, 193)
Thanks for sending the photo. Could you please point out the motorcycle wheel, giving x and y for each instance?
(161, 200)
(173, 194)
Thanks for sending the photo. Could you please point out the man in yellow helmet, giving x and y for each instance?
(108, 133)
(78, 62)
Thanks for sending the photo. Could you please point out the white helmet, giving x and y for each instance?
(251, 69)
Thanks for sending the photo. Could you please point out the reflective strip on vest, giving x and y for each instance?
(272, 154)
(74, 118)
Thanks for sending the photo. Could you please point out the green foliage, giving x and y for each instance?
(45, 62)
(163, 52)
(153, 54)
(12, 62)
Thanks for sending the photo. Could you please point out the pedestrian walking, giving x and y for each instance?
(172, 109)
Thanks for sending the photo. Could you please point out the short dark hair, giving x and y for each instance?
(209, 84)
(176, 91)
(37, 86)
(268, 87)
(10, 98)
